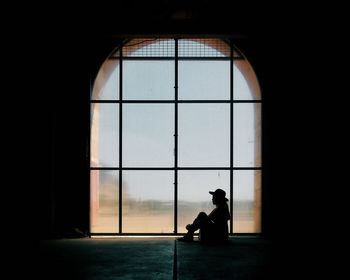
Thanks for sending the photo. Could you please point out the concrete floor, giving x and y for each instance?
(152, 258)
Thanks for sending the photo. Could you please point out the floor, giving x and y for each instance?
(152, 258)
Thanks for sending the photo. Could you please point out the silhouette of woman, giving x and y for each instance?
(212, 227)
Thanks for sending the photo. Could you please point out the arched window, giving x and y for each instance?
(172, 119)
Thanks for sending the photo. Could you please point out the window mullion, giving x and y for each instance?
(176, 138)
(120, 137)
(231, 136)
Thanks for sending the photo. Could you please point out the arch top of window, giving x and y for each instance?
(164, 48)
(187, 48)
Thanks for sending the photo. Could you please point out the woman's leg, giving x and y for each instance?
(200, 221)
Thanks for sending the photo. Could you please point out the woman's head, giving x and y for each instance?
(219, 197)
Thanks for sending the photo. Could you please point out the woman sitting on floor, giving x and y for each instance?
(212, 227)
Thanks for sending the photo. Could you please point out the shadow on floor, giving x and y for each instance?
(152, 258)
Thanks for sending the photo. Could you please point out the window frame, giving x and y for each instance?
(176, 101)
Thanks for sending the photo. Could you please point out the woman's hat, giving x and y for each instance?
(220, 194)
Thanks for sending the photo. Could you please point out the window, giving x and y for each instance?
(171, 120)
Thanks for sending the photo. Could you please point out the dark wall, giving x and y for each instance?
(77, 58)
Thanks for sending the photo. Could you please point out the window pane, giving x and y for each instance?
(148, 202)
(246, 201)
(148, 135)
(104, 201)
(247, 135)
(104, 135)
(204, 135)
(204, 80)
(106, 86)
(245, 83)
(145, 47)
(193, 193)
(148, 80)
(203, 48)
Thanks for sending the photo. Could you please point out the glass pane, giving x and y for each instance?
(148, 202)
(104, 135)
(106, 85)
(246, 201)
(204, 80)
(148, 80)
(104, 192)
(247, 135)
(148, 135)
(203, 48)
(245, 83)
(193, 193)
(204, 135)
(149, 48)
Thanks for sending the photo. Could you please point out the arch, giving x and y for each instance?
(134, 46)
(109, 65)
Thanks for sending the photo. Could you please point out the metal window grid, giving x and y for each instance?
(174, 49)
(186, 49)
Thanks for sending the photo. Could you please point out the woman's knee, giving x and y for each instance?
(202, 215)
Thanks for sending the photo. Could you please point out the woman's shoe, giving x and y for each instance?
(186, 238)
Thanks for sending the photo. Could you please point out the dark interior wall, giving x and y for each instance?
(78, 56)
